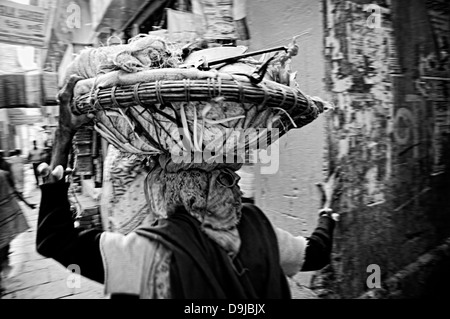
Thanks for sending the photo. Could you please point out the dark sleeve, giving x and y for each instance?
(318, 249)
(58, 238)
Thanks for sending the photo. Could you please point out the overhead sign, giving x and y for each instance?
(22, 24)
(221, 20)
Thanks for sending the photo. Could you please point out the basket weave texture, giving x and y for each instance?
(159, 110)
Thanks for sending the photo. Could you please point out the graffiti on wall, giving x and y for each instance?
(436, 63)
(439, 102)
(374, 100)
(362, 59)
(434, 79)
(389, 131)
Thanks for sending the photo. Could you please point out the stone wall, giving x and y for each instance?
(389, 78)
(386, 69)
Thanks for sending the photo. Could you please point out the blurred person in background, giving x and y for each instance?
(35, 158)
(9, 178)
(12, 218)
(17, 163)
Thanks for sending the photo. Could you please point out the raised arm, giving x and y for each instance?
(313, 252)
(57, 237)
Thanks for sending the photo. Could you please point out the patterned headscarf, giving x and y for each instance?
(209, 192)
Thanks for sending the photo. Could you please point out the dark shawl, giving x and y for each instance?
(201, 269)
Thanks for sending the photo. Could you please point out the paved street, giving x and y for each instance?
(33, 276)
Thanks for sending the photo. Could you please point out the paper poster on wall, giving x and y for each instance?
(433, 81)
(361, 58)
(221, 19)
(441, 134)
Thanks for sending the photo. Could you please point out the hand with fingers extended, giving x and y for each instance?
(328, 192)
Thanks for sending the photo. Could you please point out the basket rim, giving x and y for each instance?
(164, 91)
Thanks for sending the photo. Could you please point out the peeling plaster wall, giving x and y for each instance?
(389, 80)
(390, 134)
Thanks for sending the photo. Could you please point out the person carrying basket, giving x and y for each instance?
(205, 243)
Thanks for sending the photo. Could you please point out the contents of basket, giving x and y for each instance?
(146, 102)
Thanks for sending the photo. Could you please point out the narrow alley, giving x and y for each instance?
(328, 119)
(31, 275)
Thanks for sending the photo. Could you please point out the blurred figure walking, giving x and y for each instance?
(35, 158)
(17, 163)
(12, 220)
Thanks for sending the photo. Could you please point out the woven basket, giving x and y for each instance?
(207, 108)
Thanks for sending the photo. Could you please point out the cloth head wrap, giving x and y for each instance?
(209, 192)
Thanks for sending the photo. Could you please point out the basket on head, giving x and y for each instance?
(148, 102)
